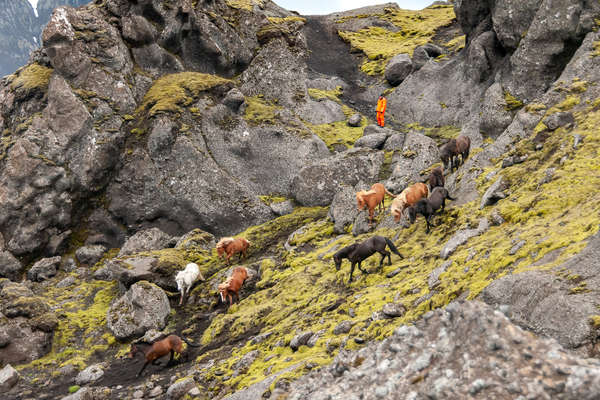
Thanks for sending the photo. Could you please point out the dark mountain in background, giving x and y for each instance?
(20, 29)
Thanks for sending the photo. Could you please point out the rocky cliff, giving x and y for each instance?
(21, 29)
(142, 131)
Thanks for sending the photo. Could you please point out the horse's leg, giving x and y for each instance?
(383, 254)
(143, 366)
(351, 271)
(360, 267)
(427, 220)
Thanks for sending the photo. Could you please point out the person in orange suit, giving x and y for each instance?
(381, 104)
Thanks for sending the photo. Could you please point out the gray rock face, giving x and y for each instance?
(91, 374)
(494, 193)
(86, 393)
(461, 237)
(317, 184)
(343, 327)
(145, 240)
(90, 255)
(434, 277)
(361, 224)
(391, 366)
(393, 310)
(556, 120)
(44, 269)
(343, 209)
(180, 389)
(419, 152)
(234, 99)
(8, 378)
(397, 69)
(10, 267)
(544, 303)
(494, 115)
(196, 238)
(144, 306)
(282, 207)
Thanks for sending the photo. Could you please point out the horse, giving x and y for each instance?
(372, 198)
(153, 351)
(436, 178)
(428, 207)
(408, 197)
(233, 284)
(357, 252)
(186, 278)
(447, 153)
(463, 145)
(231, 246)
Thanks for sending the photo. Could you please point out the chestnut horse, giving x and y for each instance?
(233, 284)
(407, 198)
(463, 145)
(372, 198)
(231, 246)
(153, 351)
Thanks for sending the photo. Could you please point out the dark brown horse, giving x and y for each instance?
(160, 348)
(463, 145)
(450, 151)
(447, 153)
(428, 207)
(436, 178)
(357, 252)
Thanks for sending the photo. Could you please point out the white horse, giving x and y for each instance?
(186, 278)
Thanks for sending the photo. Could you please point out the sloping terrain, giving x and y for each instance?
(144, 131)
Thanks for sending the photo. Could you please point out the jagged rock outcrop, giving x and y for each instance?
(467, 350)
(144, 306)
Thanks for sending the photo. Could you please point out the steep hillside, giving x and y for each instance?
(144, 131)
(21, 29)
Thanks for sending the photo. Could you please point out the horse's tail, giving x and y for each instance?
(190, 344)
(392, 247)
(388, 193)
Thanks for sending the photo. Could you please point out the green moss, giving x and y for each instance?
(268, 200)
(74, 388)
(379, 44)
(33, 77)
(512, 103)
(339, 133)
(595, 321)
(171, 92)
(535, 107)
(261, 112)
(319, 94)
(278, 20)
(245, 4)
(456, 44)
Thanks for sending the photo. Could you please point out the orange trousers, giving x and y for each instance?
(380, 119)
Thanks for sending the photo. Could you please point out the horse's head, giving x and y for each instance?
(223, 290)
(133, 350)
(360, 201)
(338, 261)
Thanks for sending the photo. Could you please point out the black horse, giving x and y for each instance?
(428, 207)
(357, 252)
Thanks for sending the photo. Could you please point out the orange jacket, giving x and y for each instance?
(381, 104)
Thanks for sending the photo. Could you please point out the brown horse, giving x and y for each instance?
(447, 153)
(153, 351)
(372, 198)
(436, 178)
(231, 246)
(463, 145)
(233, 284)
(408, 197)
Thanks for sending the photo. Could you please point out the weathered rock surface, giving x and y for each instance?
(544, 303)
(556, 120)
(144, 306)
(317, 184)
(10, 267)
(145, 240)
(343, 209)
(91, 374)
(432, 358)
(494, 193)
(8, 378)
(354, 120)
(461, 237)
(90, 255)
(418, 152)
(180, 389)
(44, 269)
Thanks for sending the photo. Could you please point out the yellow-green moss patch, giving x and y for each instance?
(260, 111)
(31, 78)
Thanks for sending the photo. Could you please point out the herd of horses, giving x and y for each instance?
(424, 198)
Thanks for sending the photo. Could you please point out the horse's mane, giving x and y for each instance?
(346, 250)
(224, 241)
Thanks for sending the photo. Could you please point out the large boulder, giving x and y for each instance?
(26, 324)
(144, 306)
(145, 240)
(495, 114)
(418, 153)
(343, 209)
(462, 236)
(10, 267)
(316, 184)
(90, 255)
(44, 269)
(8, 378)
(397, 69)
(467, 350)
